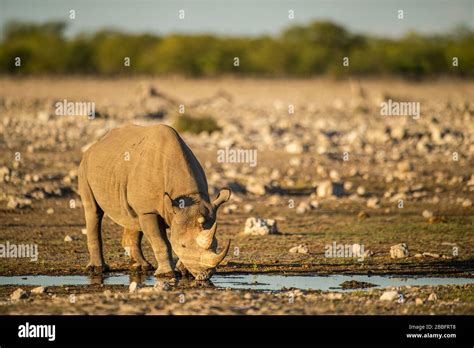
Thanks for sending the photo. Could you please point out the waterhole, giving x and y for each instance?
(249, 281)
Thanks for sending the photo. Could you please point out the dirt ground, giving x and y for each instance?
(331, 118)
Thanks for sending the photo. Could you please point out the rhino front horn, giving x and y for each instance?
(213, 259)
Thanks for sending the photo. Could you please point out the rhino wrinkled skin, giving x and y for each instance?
(147, 179)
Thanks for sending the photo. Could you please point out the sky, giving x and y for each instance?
(244, 17)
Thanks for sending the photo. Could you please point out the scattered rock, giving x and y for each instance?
(294, 148)
(434, 255)
(248, 208)
(418, 301)
(303, 207)
(433, 297)
(399, 251)
(299, 249)
(368, 253)
(467, 203)
(18, 203)
(255, 188)
(38, 290)
(437, 219)
(260, 227)
(373, 203)
(363, 215)
(146, 290)
(68, 238)
(19, 294)
(334, 296)
(133, 287)
(405, 166)
(248, 296)
(161, 286)
(50, 211)
(389, 296)
(361, 190)
(427, 214)
(348, 185)
(329, 188)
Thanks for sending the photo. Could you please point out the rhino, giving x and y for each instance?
(147, 180)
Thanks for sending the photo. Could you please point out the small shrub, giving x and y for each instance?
(195, 125)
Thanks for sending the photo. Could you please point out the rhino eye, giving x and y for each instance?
(184, 246)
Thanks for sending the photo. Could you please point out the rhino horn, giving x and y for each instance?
(205, 237)
(213, 259)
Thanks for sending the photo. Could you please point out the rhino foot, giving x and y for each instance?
(165, 275)
(97, 269)
(182, 271)
(141, 266)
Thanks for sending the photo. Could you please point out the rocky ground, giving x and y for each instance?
(330, 169)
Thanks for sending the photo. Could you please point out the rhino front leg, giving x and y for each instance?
(132, 240)
(155, 231)
(183, 270)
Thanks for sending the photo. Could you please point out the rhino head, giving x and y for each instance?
(193, 232)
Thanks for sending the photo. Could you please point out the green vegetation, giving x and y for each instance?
(195, 125)
(317, 48)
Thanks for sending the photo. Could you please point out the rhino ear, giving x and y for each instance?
(222, 197)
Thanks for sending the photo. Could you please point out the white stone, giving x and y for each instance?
(294, 148)
(328, 188)
(427, 214)
(255, 188)
(260, 227)
(133, 287)
(373, 203)
(299, 249)
(467, 203)
(399, 251)
(389, 296)
(18, 294)
(38, 290)
(248, 208)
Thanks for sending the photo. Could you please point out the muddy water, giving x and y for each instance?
(266, 282)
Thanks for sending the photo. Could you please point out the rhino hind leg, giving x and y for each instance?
(132, 242)
(93, 216)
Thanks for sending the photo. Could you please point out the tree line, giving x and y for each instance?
(321, 47)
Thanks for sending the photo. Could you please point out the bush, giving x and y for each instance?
(195, 125)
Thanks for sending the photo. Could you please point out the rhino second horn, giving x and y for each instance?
(205, 237)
